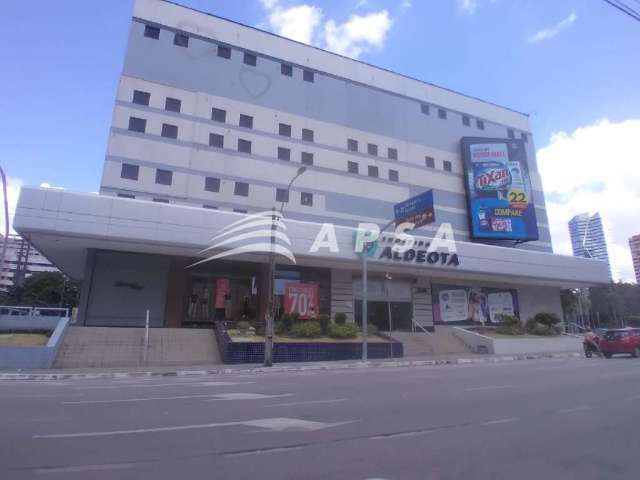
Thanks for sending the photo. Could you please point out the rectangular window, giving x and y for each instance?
(352, 145)
(151, 32)
(161, 200)
(393, 175)
(210, 207)
(442, 113)
(373, 171)
(424, 109)
(308, 76)
(218, 115)
(181, 40)
(480, 124)
(430, 162)
(250, 59)
(172, 105)
(244, 146)
(525, 137)
(241, 189)
(129, 172)
(141, 98)
(511, 134)
(446, 165)
(307, 135)
(352, 167)
(372, 149)
(246, 121)
(126, 195)
(137, 124)
(284, 130)
(169, 131)
(306, 158)
(284, 154)
(224, 51)
(216, 140)
(466, 121)
(164, 177)
(282, 195)
(392, 153)
(306, 199)
(211, 184)
(286, 69)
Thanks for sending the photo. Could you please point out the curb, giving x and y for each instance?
(287, 368)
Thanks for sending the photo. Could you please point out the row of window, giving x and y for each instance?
(211, 184)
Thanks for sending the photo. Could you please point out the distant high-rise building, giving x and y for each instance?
(21, 260)
(589, 238)
(634, 244)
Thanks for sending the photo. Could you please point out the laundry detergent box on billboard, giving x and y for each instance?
(499, 191)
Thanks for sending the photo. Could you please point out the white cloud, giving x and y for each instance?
(594, 169)
(467, 7)
(550, 32)
(357, 34)
(13, 192)
(298, 22)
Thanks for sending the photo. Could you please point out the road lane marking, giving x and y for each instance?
(500, 421)
(402, 434)
(195, 384)
(144, 399)
(488, 387)
(278, 424)
(84, 468)
(246, 396)
(579, 408)
(310, 402)
(262, 451)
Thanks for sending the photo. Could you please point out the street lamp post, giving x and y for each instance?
(270, 313)
(5, 240)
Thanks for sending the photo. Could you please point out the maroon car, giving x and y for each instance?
(623, 341)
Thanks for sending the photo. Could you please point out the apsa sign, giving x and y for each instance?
(301, 298)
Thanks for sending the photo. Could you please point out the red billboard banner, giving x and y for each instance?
(223, 287)
(301, 298)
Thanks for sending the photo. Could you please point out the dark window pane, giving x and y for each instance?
(352, 145)
(446, 164)
(430, 162)
(169, 131)
(284, 153)
(307, 135)
(424, 108)
(250, 59)
(306, 158)
(212, 184)
(480, 124)
(282, 195)
(308, 76)
(161, 200)
(244, 146)
(224, 51)
(393, 175)
(372, 149)
(126, 195)
(442, 113)
(306, 199)
(525, 137)
(216, 140)
(137, 124)
(141, 98)
(173, 105)
(466, 121)
(373, 171)
(246, 121)
(352, 167)
(284, 130)
(286, 69)
(511, 134)
(151, 32)
(164, 177)
(218, 115)
(241, 189)
(129, 172)
(181, 40)
(393, 154)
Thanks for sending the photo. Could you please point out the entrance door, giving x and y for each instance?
(378, 315)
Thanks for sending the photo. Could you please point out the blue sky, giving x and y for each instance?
(569, 63)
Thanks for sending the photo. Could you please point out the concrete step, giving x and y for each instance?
(84, 347)
(441, 341)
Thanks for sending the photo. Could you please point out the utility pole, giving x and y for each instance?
(6, 219)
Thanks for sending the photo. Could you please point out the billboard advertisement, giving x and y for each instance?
(454, 304)
(499, 193)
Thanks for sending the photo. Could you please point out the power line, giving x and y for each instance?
(624, 8)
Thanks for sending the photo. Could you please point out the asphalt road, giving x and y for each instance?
(542, 419)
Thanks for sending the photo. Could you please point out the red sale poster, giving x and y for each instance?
(222, 289)
(301, 298)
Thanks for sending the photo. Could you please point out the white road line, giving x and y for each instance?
(488, 387)
(402, 434)
(145, 399)
(84, 468)
(263, 451)
(310, 402)
(579, 408)
(500, 421)
(195, 384)
(246, 396)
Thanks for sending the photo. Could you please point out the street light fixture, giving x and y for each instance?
(268, 340)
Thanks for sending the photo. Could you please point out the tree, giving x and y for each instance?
(44, 289)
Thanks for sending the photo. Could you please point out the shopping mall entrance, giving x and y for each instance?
(389, 305)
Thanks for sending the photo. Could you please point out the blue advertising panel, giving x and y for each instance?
(499, 193)
(417, 210)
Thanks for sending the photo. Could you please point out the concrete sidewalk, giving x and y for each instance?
(197, 370)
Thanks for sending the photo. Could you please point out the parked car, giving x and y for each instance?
(622, 340)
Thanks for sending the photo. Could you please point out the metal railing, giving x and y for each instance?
(34, 311)
(416, 324)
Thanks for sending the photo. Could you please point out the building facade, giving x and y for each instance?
(214, 119)
(634, 245)
(589, 239)
(21, 260)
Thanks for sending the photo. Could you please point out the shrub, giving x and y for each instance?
(279, 328)
(324, 320)
(549, 320)
(340, 318)
(243, 326)
(287, 321)
(343, 330)
(510, 325)
(260, 330)
(309, 329)
(543, 324)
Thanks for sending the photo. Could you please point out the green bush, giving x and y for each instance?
(340, 318)
(279, 328)
(543, 324)
(260, 330)
(549, 320)
(324, 321)
(343, 330)
(309, 329)
(287, 321)
(243, 326)
(510, 325)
